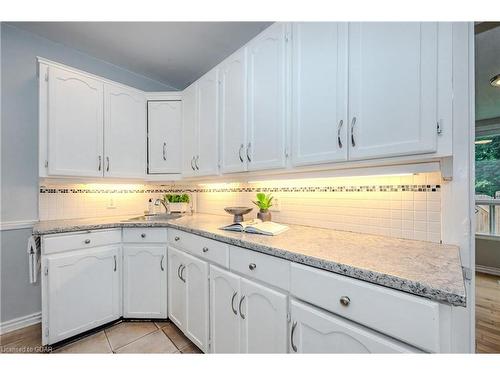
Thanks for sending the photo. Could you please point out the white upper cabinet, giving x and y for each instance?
(267, 82)
(207, 156)
(75, 124)
(392, 89)
(145, 281)
(124, 132)
(164, 136)
(319, 92)
(189, 136)
(233, 77)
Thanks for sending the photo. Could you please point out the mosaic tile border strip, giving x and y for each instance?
(302, 189)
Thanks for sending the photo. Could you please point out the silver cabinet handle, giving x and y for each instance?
(87, 241)
(239, 307)
(248, 151)
(353, 122)
(177, 238)
(100, 163)
(294, 348)
(239, 152)
(179, 271)
(143, 235)
(114, 257)
(232, 303)
(107, 165)
(164, 150)
(339, 128)
(161, 263)
(192, 160)
(252, 266)
(196, 162)
(205, 249)
(345, 301)
(182, 271)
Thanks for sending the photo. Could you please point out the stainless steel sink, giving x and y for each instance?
(158, 217)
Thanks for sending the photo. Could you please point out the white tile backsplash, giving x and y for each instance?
(400, 213)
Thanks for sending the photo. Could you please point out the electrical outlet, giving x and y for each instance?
(111, 203)
(276, 207)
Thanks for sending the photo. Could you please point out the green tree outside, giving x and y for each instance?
(488, 166)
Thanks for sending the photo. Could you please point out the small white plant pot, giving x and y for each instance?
(178, 207)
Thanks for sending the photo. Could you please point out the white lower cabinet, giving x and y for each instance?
(316, 331)
(188, 296)
(145, 281)
(246, 317)
(82, 291)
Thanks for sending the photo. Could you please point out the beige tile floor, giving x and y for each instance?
(123, 337)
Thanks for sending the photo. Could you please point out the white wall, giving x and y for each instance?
(19, 150)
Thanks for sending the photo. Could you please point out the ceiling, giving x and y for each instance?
(487, 65)
(174, 53)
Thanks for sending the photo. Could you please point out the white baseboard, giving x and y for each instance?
(17, 323)
(488, 270)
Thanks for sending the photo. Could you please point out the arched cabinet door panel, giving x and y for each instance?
(316, 331)
(75, 124)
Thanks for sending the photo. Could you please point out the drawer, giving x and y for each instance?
(260, 266)
(55, 243)
(205, 248)
(146, 235)
(411, 319)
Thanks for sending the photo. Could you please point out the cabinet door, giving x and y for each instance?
(196, 326)
(267, 68)
(176, 287)
(315, 331)
(392, 88)
(233, 76)
(189, 133)
(207, 155)
(124, 132)
(224, 318)
(264, 319)
(75, 124)
(83, 290)
(164, 136)
(145, 281)
(319, 92)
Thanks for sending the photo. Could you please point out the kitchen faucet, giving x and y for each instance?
(164, 203)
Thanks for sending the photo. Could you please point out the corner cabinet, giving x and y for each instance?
(200, 130)
(392, 88)
(164, 136)
(75, 125)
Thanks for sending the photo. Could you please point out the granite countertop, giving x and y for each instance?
(422, 268)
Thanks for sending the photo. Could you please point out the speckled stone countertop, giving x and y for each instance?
(422, 268)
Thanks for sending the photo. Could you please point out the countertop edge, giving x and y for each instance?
(388, 281)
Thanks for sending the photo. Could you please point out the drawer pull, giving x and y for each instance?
(143, 235)
(292, 344)
(345, 301)
(239, 307)
(232, 303)
(205, 249)
(177, 238)
(252, 266)
(87, 241)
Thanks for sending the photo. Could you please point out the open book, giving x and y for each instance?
(257, 226)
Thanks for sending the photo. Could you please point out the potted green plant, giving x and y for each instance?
(177, 202)
(264, 202)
